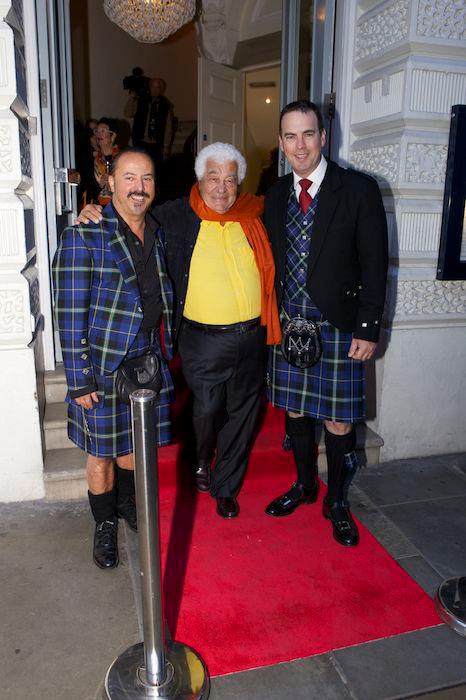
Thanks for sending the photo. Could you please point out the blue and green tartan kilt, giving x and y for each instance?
(106, 429)
(333, 389)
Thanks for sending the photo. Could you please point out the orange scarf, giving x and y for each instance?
(246, 211)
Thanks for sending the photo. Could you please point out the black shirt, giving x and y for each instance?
(148, 280)
(146, 270)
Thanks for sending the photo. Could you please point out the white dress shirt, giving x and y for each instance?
(316, 177)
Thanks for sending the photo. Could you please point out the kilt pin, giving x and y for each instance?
(99, 313)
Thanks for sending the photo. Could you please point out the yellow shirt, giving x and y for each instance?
(224, 282)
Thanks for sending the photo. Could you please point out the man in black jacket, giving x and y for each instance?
(153, 121)
(328, 232)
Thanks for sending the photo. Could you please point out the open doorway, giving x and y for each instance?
(262, 106)
(105, 62)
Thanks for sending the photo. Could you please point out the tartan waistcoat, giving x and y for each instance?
(296, 299)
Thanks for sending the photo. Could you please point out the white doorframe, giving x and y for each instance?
(54, 81)
(38, 180)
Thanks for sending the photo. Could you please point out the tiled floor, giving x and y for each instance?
(63, 620)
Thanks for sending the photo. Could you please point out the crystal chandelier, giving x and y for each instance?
(150, 20)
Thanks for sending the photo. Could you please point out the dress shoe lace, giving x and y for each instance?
(107, 531)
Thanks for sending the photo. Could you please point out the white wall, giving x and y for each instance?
(20, 335)
(400, 65)
(422, 411)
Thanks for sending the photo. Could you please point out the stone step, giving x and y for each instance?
(65, 475)
(55, 427)
(55, 385)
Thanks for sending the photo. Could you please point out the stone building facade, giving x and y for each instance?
(399, 67)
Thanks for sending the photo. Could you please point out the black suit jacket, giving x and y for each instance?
(348, 261)
(181, 227)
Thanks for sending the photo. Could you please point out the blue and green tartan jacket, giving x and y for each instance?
(98, 305)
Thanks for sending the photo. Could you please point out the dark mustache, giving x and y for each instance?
(138, 194)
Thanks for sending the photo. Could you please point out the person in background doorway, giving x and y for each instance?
(153, 123)
(269, 174)
(328, 232)
(97, 168)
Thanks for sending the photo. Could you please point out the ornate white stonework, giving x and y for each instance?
(383, 162)
(10, 165)
(11, 312)
(430, 297)
(426, 163)
(214, 38)
(436, 91)
(382, 29)
(378, 98)
(443, 19)
(12, 243)
(419, 232)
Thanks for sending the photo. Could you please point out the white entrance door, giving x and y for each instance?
(220, 104)
(55, 74)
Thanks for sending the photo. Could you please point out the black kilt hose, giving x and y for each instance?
(334, 388)
(106, 430)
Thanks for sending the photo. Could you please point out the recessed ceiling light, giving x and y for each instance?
(268, 100)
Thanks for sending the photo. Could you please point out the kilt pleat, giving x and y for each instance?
(106, 429)
(333, 389)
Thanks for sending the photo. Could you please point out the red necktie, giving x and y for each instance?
(305, 198)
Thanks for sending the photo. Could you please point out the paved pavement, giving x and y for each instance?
(63, 620)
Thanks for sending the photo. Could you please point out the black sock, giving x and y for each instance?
(102, 505)
(302, 436)
(125, 481)
(337, 447)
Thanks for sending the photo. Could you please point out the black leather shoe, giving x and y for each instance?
(227, 507)
(106, 544)
(126, 509)
(345, 530)
(297, 494)
(202, 476)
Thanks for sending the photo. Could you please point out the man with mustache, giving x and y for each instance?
(220, 259)
(111, 292)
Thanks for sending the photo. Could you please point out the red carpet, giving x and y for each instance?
(257, 590)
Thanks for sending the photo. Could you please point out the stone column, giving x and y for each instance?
(21, 462)
(407, 68)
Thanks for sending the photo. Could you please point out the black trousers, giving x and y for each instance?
(225, 372)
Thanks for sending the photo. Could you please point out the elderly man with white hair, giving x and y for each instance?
(220, 261)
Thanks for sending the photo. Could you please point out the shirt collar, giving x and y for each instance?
(150, 225)
(316, 176)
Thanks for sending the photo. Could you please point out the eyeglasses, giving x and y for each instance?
(102, 131)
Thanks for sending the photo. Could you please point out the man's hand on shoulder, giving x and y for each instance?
(91, 212)
(87, 401)
(361, 349)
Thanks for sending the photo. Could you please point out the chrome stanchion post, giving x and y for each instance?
(147, 492)
(450, 603)
(156, 668)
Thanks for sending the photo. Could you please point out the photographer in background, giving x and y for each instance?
(137, 83)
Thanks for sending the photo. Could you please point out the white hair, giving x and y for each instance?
(220, 152)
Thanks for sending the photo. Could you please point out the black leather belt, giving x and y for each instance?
(240, 327)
